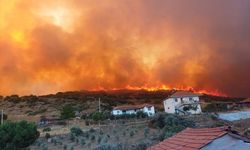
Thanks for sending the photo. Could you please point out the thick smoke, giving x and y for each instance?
(49, 46)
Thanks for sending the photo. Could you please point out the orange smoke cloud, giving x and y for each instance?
(50, 46)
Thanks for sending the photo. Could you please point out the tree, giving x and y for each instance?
(97, 116)
(67, 112)
(19, 135)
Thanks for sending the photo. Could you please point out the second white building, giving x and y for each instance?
(183, 102)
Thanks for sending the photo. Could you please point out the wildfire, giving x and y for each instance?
(165, 87)
(50, 46)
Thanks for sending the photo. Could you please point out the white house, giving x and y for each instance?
(183, 102)
(133, 109)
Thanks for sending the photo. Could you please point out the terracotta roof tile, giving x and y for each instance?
(246, 100)
(184, 94)
(190, 139)
(128, 107)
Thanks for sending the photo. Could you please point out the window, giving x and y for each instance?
(190, 99)
(149, 108)
(168, 107)
(176, 100)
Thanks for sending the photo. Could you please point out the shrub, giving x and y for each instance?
(99, 139)
(92, 130)
(45, 147)
(65, 147)
(47, 129)
(67, 112)
(72, 137)
(77, 140)
(83, 142)
(162, 120)
(47, 135)
(170, 124)
(76, 131)
(97, 116)
(17, 135)
(213, 107)
(131, 133)
(146, 132)
(105, 140)
(141, 114)
(101, 132)
(141, 145)
(92, 138)
(109, 147)
(72, 147)
(86, 134)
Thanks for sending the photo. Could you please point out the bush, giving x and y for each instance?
(92, 138)
(97, 116)
(99, 139)
(214, 107)
(170, 124)
(141, 145)
(162, 120)
(131, 133)
(105, 140)
(83, 142)
(17, 135)
(146, 132)
(92, 130)
(72, 137)
(47, 129)
(141, 114)
(67, 112)
(76, 131)
(109, 147)
(47, 136)
(72, 147)
(65, 147)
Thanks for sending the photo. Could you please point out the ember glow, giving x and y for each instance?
(50, 46)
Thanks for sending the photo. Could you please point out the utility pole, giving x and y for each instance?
(99, 104)
(2, 117)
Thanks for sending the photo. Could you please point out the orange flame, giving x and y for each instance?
(165, 87)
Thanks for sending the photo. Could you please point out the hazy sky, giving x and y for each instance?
(49, 46)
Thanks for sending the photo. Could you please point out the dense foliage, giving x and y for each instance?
(67, 112)
(76, 131)
(215, 107)
(15, 136)
(109, 147)
(170, 124)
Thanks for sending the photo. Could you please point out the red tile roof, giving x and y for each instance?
(184, 94)
(246, 100)
(128, 107)
(190, 139)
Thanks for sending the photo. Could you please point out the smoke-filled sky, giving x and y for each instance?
(49, 46)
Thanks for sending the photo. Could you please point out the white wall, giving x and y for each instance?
(116, 112)
(171, 103)
(149, 111)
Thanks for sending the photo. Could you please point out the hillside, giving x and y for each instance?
(32, 107)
